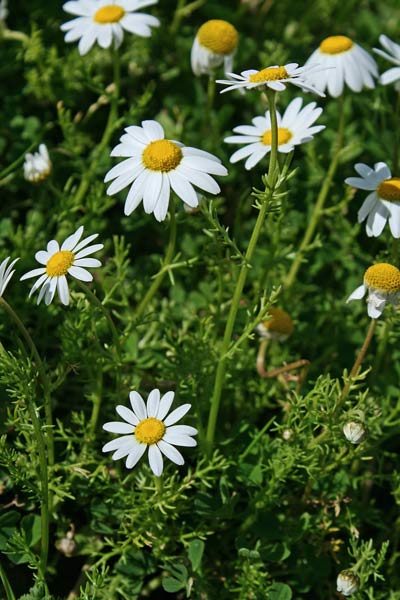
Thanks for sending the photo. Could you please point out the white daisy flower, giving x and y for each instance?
(37, 166)
(6, 272)
(150, 427)
(382, 282)
(70, 258)
(383, 203)
(343, 62)
(274, 77)
(392, 54)
(215, 43)
(104, 21)
(294, 128)
(156, 165)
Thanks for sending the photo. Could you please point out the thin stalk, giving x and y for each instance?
(6, 584)
(221, 369)
(319, 205)
(44, 379)
(396, 134)
(360, 357)
(98, 394)
(167, 260)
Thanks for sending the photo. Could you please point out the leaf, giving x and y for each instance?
(178, 581)
(279, 591)
(195, 553)
(31, 528)
(8, 523)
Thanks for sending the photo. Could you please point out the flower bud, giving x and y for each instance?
(355, 432)
(347, 582)
(279, 326)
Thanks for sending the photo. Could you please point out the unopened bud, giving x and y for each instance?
(347, 582)
(287, 434)
(355, 432)
(66, 546)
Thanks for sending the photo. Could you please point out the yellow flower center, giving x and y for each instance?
(162, 155)
(280, 321)
(269, 74)
(59, 263)
(383, 277)
(218, 36)
(284, 135)
(336, 44)
(389, 189)
(149, 431)
(109, 14)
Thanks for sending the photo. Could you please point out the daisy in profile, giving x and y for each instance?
(275, 77)
(278, 327)
(149, 426)
(71, 258)
(392, 54)
(342, 62)
(37, 166)
(215, 44)
(154, 165)
(104, 21)
(382, 282)
(294, 128)
(383, 203)
(6, 272)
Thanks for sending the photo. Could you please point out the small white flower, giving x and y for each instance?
(71, 259)
(104, 21)
(383, 204)
(354, 432)
(37, 166)
(347, 582)
(215, 43)
(156, 165)
(3, 10)
(343, 62)
(393, 56)
(6, 273)
(294, 128)
(382, 282)
(150, 427)
(274, 77)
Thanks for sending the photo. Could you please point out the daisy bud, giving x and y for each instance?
(355, 432)
(215, 43)
(278, 327)
(347, 582)
(37, 166)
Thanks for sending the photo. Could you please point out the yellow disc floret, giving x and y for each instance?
(162, 155)
(284, 136)
(218, 36)
(280, 321)
(383, 277)
(149, 431)
(269, 74)
(109, 14)
(59, 263)
(390, 189)
(336, 44)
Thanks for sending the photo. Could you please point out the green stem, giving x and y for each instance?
(396, 134)
(108, 131)
(18, 36)
(161, 274)
(98, 394)
(221, 369)
(319, 205)
(6, 584)
(43, 377)
(159, 485)
(358, 361)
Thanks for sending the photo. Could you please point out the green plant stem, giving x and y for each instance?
(319, 205)
(158, 481)
(98, 394)
(221, 369)
(6, 584)
(358, 361)
(167, 260)
(18, 36)
(43, 377)
(108, 131)
(396, 116)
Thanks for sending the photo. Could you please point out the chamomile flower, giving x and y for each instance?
(149, 426)
(278, 327)
(274, 77)
(71, 258)
(343, 62)
(37, 166)
(383, 203)
(155, 165)
(215, 44)
(104, 21)
(347, 582)
(392, 54)
(294, 128)
(6, 272)
(382, 282)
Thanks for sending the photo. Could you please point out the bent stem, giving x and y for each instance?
(358, 361)
(221, 369)
(319, 205)
(167, 260)
(6, 584)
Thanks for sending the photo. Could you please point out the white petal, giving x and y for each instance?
(139, 407)
(117, 443)
(63, 290)
(182, 430)
(53, 247)
(153, 403)
(381, 215)
(363, 169)
(152, 191)
(153, 130)
(89, 250)
(373, 311)
(161, 208)
(38, 283)
(199, 179)
(122, 168)
(367, 206)
(165, 405)
(170, 452)
(135, 455)
(118, 427)
(394, 220)
(183, 189)
(72, 240)
(179, 440)
(80, 273)
(155, 460)
(84, 243)
(87, 40)
(42, 257)
(126, 414)
(357, 294)
(87, 262)
(33, 273)
(177, 414)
